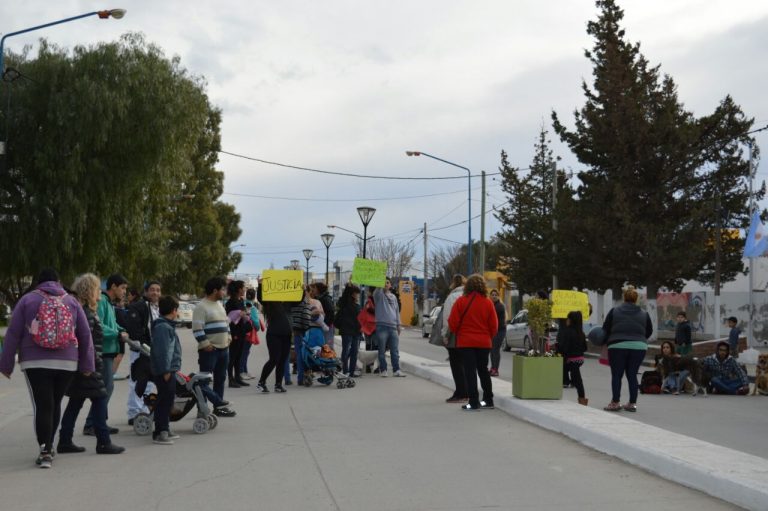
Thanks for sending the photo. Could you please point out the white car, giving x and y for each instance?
(429, 320)
(185, 314)
(519, 336)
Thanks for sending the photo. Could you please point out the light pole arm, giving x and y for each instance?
(347, 230)
(445, 161)
(100, 14)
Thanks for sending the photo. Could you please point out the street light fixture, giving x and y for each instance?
(469, 202)
(327, 240)
(307, 255)
(114, 13)
(295, 264)
(366, 215)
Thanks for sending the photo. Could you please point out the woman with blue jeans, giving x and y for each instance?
(627, 329)
(349, 328)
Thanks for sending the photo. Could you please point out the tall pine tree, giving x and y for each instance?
(655, 174)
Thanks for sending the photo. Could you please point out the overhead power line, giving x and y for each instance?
(350, 174)
(369, 199)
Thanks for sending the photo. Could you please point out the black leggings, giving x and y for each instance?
(235, 359)
(457, 371)
(573, 371)
(476, 365)
(47, 388)
(279, 347)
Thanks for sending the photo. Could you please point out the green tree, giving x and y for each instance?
(528, 235)
(100, 145)
(655, 174)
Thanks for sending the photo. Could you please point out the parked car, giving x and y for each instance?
(429, 320)
(519, 336)
(185, 314)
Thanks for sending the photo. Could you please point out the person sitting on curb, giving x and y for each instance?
(726, 375)
(675, 380)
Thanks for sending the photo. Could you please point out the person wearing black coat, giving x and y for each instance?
(349, 327)
(571, 344)
(88, 385)
(279, 335)
(238, 331)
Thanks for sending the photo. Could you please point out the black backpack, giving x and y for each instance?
(650, 382)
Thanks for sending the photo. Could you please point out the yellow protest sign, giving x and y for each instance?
(369, 272)
(282, 285)
(564, 302)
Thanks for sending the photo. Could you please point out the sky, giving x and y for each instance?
(349, 86)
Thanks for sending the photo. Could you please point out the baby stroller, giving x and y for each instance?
(329, 367)
(189, 395)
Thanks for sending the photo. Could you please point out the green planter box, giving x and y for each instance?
(537, 377)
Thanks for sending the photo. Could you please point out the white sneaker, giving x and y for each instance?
(383, 374)
(162, 439)
(399, 374)
(246, 376)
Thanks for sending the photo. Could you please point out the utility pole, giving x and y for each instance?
(425, 298)
(718, 250)
(750, 329)
(482, 224)
(554, 224)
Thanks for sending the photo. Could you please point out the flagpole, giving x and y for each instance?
(750, 329)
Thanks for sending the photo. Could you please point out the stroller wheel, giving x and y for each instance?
(213, 421)
(142, 424)
(350, 383)
(339, 384)
(307, 381)
(201, 425)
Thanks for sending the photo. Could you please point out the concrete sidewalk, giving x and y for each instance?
(731, 475)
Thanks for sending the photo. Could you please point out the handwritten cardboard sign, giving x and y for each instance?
(282, 285)
(564, 302)
(369, 272)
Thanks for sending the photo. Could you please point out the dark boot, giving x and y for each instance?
(68, 447)
(109, 448)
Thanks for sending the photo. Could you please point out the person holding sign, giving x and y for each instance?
(279, 335)
(387, 329)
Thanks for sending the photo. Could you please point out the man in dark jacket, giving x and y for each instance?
(141, 314)
(683, 344)
(501, 315)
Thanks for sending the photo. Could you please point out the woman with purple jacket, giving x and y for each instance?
(48, 371)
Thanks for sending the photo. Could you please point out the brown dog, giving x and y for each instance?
(761, 376)
(696, 377)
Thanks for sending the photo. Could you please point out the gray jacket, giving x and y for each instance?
(627, 322)
(387, 311)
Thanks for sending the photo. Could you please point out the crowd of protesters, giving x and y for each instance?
(71, 340)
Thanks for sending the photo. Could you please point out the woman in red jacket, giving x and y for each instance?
(473, 320)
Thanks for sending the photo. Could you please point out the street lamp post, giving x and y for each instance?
(113, 13)
(307, 255)
(366, 215)
(327, 240)
(469, 202)
(295, 264)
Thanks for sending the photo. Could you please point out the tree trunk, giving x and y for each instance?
(652, 309)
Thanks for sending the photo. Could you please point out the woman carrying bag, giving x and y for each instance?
(474, 322)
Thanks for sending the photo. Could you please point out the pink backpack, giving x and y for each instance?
(53, 327)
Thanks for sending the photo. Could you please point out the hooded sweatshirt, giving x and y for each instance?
(387, 311)
(74, 357)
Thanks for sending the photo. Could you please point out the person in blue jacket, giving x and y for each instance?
(165, 360)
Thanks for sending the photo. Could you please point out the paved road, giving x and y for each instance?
(737, 422)
(387, 444)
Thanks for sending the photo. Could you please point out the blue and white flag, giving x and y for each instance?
(757, 238)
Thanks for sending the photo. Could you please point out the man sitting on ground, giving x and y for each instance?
(726, 375)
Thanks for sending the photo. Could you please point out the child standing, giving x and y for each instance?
(572, 344)
(733, 336)
(165, 360)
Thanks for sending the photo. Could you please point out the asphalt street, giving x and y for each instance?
(737, 422)
(387, 444)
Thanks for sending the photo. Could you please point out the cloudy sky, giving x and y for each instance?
(349, 86)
